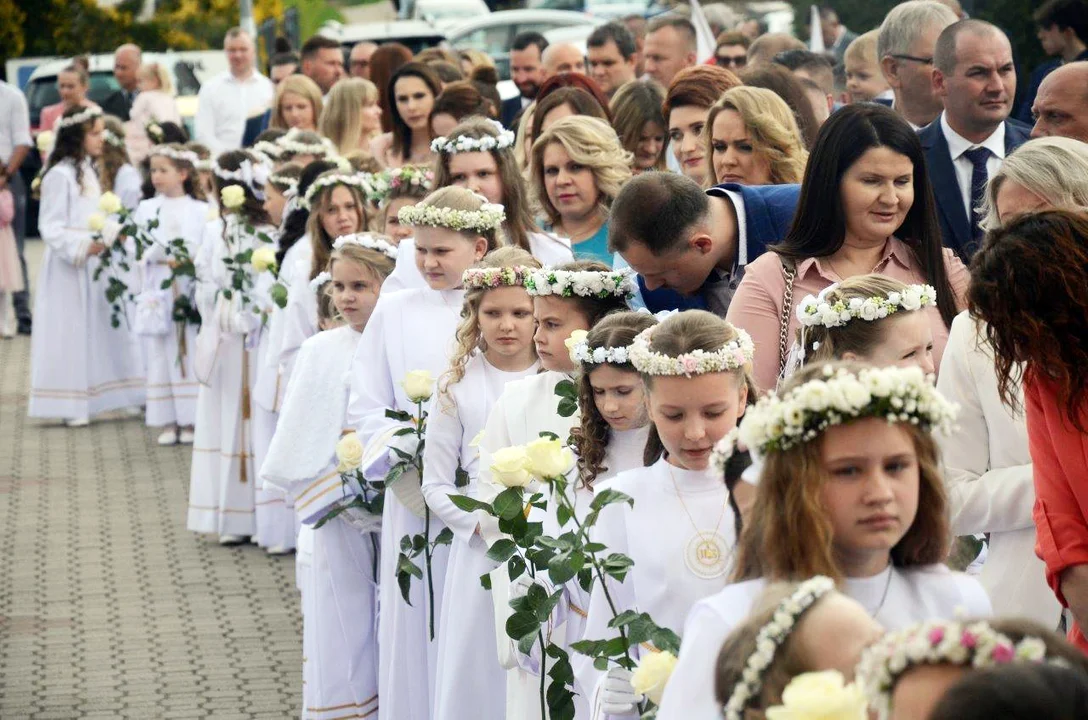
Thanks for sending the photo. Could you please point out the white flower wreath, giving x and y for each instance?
(771, 637)
(289, 184)
(900, 395)
(204, 165)
(733, 355)
(490, 216)
(268, 149)
(368, 241)
(322, 278)
(580, 352)
(815, 310)
(583, 283)
(465, 144)
(181, 155)
(934, 642)
(79, 118)
(113, 138)
(380, 186)
(329, 181)
(290, 144)
(486, 278)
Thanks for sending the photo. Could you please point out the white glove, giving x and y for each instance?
(618, 697)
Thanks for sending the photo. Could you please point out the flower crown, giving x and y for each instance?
(255, 175)
(815, 310)
(289, 184)
(329, 181)
(113, 138)
(580, 352)
(487, 278)
(731, 356)
(289, 143)
(322, 278)
(154, 131)
(268, 149)
(900, 395)
(771, 637)
(180, 155)
(489, 217)
(975, 644)
(583, 283)
(368, 241)
(204, 165)
(380, 186)
(465, 144)
(79, 118)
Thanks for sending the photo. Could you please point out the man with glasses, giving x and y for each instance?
(732, 50)
(905, 48)
(359, 60)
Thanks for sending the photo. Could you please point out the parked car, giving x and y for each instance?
(447, 13)
(494, 33)
(607, 9)
(416, 35)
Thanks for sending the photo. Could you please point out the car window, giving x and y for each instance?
(542, 26)
(491, 40)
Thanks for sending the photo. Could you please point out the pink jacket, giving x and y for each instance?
(757, 304)
(151, 105)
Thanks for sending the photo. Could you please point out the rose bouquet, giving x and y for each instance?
(246, 260)
(125, 242)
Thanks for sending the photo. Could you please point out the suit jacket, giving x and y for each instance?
(510, 110)
(955, 225)
(118, 105)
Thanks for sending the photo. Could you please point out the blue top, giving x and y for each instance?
(594, 247)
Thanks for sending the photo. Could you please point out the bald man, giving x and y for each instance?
(1061, 107)
(563, 58)
(359, 60)
(126, 65)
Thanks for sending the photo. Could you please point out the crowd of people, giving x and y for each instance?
(723, 388)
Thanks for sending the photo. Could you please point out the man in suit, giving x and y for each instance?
(527, 71)
(904, 48)
(975, 78)
(126, 66)
(694, 242)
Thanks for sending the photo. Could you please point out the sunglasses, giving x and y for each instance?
(731, 60)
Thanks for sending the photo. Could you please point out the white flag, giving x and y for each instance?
(704, 36)
(815, 34)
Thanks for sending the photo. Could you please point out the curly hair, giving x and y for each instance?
(789, 534)
(698, 86)
(859, 337)
(469, 338)
(113, 157)
(519, 219)
(69, 141)
(772, 130)
(320, 240)
(252, 210)
(1029, 283)
(590, 142)
(592, 435)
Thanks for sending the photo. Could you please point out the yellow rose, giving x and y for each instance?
(233, 196)
(35, 184)
(820, 696)
(548, 458)
(96, 222)
(576, 337)
(652, 675)
(510, 467)
(109, 203)
(349, 453)
(263, 258)
(44, 141)
(418, 385)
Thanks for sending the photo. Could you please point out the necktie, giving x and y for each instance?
(978, 157)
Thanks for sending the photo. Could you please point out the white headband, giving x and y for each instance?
(80, 117)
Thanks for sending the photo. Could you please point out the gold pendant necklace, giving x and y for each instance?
(707, 554)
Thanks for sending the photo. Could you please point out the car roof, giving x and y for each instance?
(392, 30)
(508, 17)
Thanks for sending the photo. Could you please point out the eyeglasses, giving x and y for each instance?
(360, 64)
(734, 60)
(922, 60)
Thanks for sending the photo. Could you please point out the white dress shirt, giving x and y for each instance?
(988, 471)
(14, 121)
(225, 103)
(958, 145)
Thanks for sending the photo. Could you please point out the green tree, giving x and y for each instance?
(11, 30)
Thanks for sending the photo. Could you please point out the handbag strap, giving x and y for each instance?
(789, 270)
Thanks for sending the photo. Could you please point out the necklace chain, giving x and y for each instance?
(687, 512)
(883, 597)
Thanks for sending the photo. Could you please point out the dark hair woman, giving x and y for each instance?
(410, 96)
(385, 61)
(865, 207)
(566, 102)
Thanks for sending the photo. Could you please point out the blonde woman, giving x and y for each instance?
(352, 117)
(578, 166)
(297, 104)
(752, 138)
(523, 143)
(155, 103)
(472, 59)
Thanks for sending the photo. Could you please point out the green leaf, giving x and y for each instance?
(406, 544)
(485, 581)
(562, 515)
(616, 566)
(666, 640)
(404, 431)
(566, 389)
(398, 415)
(279, 295)
(469, 504)
(549, 435)
(445, 537)
(523, 627)
(608, 497)
(508, 504)
(567, 408)
(515, 567)
(502, 550)
(565, 566)
(418, 543)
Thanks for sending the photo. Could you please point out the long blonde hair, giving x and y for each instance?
(772, 130)
(319, 239)
(590, 142)
(469, 338)
(302, 86)
(342, 119)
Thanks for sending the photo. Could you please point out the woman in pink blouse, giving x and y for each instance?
(865, 207)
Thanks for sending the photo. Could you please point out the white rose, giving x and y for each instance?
(869, 311)
(576, 337)
(109, 203)
(44, 141)
(828, 317)
(912, 299)
(820, 696)
(233, 196)
(96, 222)
(510, 467)
(652, 675)
(263, 258)
(349, 452)
(418, 385)
(548, 458)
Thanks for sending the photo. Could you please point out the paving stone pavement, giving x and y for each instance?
(109, 607)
